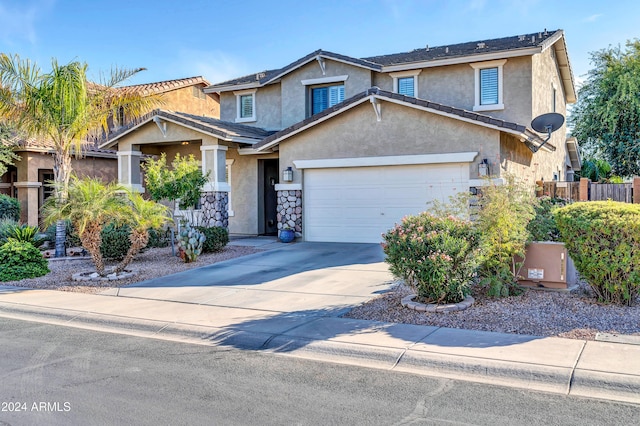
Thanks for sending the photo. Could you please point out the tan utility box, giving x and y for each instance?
(548, 265)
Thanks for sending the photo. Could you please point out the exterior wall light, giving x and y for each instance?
(287, 175)
(483, 168)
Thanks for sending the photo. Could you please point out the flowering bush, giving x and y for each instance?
(435, 255)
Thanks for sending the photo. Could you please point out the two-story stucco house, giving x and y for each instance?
(27, 179)
(341, 148)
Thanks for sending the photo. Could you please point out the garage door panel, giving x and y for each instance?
(358, 204)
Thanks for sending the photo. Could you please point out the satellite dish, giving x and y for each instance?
(546, 123)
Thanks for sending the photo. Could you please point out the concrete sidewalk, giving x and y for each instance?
(288, 300)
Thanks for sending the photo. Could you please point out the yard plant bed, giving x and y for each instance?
(152, 263)
(574, 315)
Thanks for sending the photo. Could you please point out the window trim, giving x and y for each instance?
(228, 163)
(484, 65)
(239, 94)
(404, 74)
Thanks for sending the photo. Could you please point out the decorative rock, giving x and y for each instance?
(408, 302)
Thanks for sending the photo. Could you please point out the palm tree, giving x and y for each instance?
(144, 215)
(90, 205)
(63, 107)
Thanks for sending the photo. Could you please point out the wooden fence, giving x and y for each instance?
(590, 191)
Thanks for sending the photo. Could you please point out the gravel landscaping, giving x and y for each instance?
(152, 263)
(536, 312)
(573, 314)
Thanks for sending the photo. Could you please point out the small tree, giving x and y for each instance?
(7, 156)
(183, 182)
(502, 219)
(144, 215)
(90, 206)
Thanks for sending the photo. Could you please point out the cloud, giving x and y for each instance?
(18, 22)
(215, 65)
(592, 18)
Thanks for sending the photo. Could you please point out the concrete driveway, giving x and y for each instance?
(324, 279)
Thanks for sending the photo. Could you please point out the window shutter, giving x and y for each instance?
(488, 86)
(320, 99)
(336, 95)
(246, 106)
(406, 87)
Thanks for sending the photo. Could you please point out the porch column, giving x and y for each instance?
(29, 197)
(215, 194)
(129, 170)
(290, 207)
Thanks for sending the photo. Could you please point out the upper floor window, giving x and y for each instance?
(324, 92)
(245, 105)
(326, 97)
(198, 92)
(488, 85)
(406, 82)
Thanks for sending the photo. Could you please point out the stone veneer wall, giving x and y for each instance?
(215, 209)
(290, 210)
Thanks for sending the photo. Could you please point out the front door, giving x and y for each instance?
(270, 173)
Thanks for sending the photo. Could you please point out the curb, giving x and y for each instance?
(531, 376)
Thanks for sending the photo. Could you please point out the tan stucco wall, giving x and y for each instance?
(183, 100)
(295, 94)
(402, 131)
(268, 108)
(151, 134)
(244, 192)
(545, 72)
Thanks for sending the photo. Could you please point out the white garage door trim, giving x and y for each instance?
(391, 160)
(357, 204)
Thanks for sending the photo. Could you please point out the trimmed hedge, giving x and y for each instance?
(217, 238)
(435, 255)
(603, 239)
(9, 208)
(20, 260)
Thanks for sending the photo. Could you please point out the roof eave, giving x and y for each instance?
(463, 59)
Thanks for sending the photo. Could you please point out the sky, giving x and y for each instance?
(221, 39)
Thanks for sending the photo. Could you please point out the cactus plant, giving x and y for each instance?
(190, 243)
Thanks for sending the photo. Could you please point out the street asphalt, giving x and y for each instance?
(289, 298)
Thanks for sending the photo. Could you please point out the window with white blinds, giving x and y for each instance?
(246, 105)
(326, 97)
(406, 86)
(489, 86)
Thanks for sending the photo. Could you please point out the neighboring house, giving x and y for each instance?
(27, 179)
(341, 148)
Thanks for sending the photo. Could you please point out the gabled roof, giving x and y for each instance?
(224, 130)
(266, 77)
(519, 130)
(480, 50)
(159, 87)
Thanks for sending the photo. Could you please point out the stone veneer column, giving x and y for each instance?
(290, 209)
(215, 209)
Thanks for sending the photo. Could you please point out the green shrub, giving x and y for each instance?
(437, 256)
(159, 237)
(543, 226)
(20, 260)
(9, 207)
(502, 218)
(6, 226)
(115, 241)
(603, 239)
(217, 238)
(22, 233)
